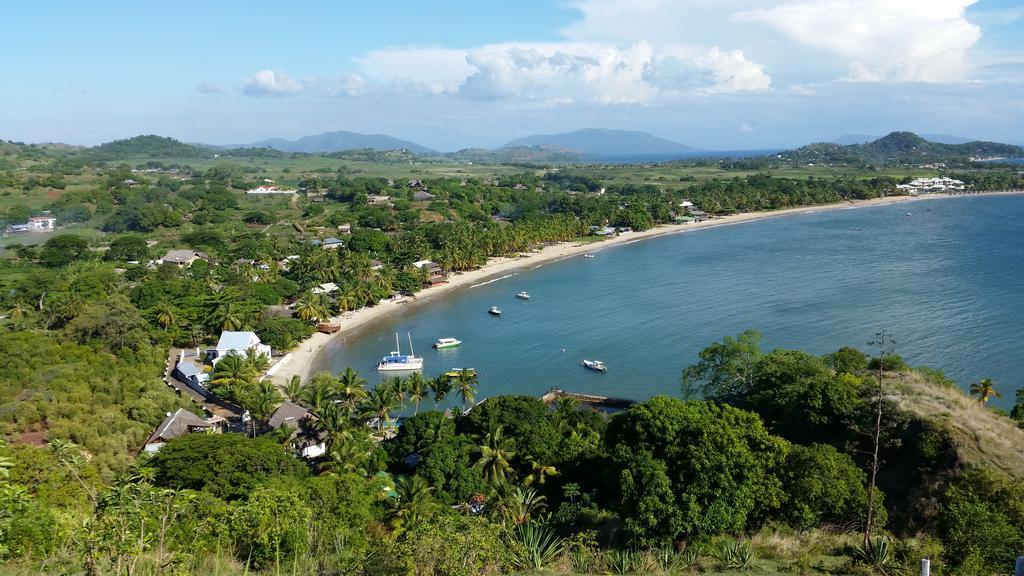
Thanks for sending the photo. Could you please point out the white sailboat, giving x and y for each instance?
(398, 362)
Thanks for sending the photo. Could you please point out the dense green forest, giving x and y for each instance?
(769, 469)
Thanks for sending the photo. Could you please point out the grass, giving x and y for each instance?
(981, 435)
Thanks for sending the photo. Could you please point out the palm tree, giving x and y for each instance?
(265, 399)
(317, 393)
(334, 424)
(232, 371)
(256, 362)
(466, 383)
(984, 390)
(351, 388)
(380, 403)
(312, 307)
(416, 385)
(399, 391)
(293, 390)
(165, 314)
(439, 388)
(495, 453)
(229, 317)
(346, 299)
(414, 501)
(540, 473)
(520, 505)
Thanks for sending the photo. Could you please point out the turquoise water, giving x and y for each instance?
(946, 282)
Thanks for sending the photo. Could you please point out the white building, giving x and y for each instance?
(42, 223)
(237, 343)
(268, 189)
(931, 185)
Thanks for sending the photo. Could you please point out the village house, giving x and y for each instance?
(176, 424)
(331, 243)
(415, 184)
(436, 274)
(378, 199)
(237, 343)
(181, 257)
(376, 265)
(423, 196)
(327, 288)
(307, 439)
(344, 228)
(42, 223)
(699, 215)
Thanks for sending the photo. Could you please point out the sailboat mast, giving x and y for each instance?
(411, 351)
(398, 345)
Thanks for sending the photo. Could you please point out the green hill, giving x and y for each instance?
(898, 148)
(149, 146)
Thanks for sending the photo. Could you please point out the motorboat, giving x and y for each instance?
(588, 255)
(446, 343)
(398, 362)
(523, 295)
(494, 311)
(595, 365)
(456, 372)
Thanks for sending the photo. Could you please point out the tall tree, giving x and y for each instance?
(985, 390)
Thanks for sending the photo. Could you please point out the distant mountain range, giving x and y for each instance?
(589, 145)
(898, 148)
(595, 143)
(339, 141)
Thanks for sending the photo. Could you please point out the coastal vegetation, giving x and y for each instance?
(760, 462)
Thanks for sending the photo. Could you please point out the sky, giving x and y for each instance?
(715, 74)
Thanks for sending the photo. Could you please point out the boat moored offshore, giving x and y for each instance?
(494, 311)
(523, 295)
(595, 365)
(398, 362)
(446, 343)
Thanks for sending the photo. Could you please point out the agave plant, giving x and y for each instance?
(623, 561)
(536, 545)
(878, 556)
(735, 555)
(672, 561)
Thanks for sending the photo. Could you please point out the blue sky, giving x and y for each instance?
(717, 74)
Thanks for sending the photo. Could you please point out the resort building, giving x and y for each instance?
(300, 421)
(931, 186)
(328, 288)
(237, 343)
(177, 424)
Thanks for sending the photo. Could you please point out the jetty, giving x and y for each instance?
(593, 402)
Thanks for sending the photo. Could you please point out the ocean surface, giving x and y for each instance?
(944, 277)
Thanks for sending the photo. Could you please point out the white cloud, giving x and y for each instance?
(557, 73)
(271, 83)
(897, 40)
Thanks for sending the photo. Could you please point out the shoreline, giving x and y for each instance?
(301, 360)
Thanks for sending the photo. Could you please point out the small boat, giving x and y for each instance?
(398, 362)
(909, 214)
(446, 343)
(494, 311)
(588, 255)
(456, 372)
(523, 295)
(595, 365)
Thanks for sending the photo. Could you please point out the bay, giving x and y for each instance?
(942, 276)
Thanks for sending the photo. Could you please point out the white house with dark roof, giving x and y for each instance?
(300, 421)
(175, 424)
(237, 343)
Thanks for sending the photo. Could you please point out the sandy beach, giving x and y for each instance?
(301, 360)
